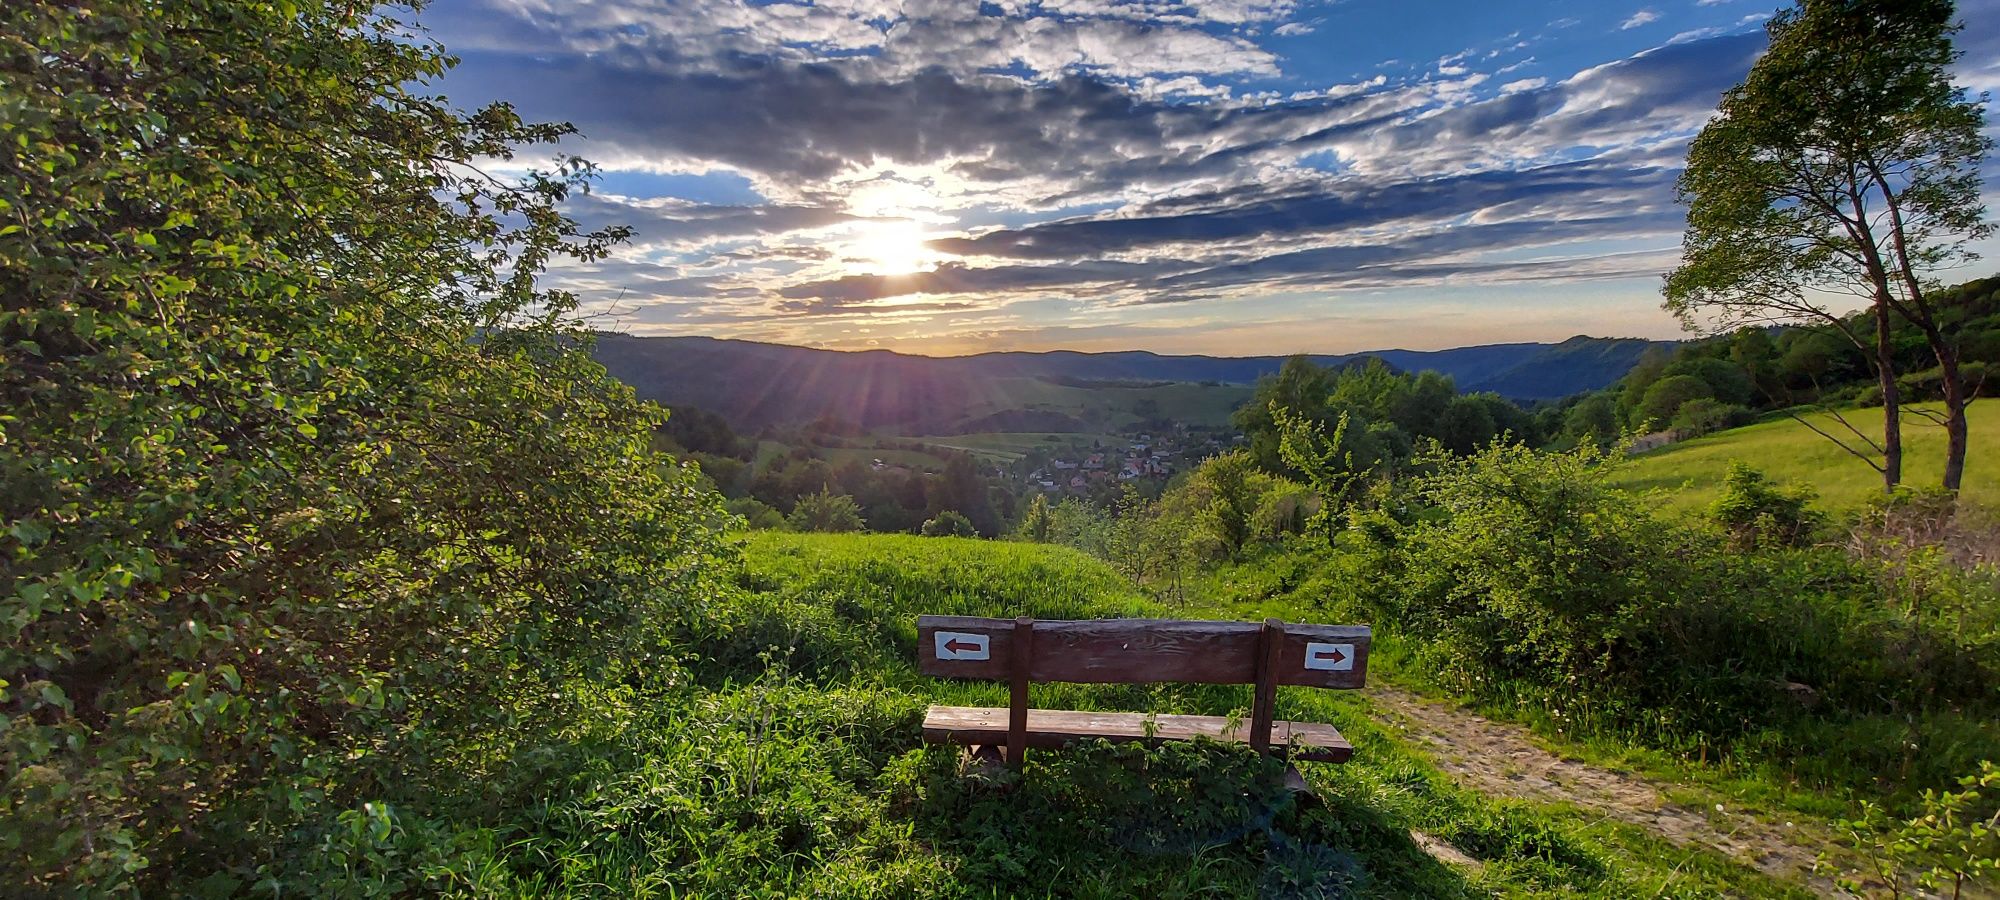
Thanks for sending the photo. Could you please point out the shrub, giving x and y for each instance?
(755, 513)
(949, 524)
(1951, 845)
(314, 506)
(825, 511)
(1522, 577)
(1756, 512)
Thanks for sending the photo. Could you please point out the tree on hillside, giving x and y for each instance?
(1846, 162)
(1230, 487)
(1038, 523)
(825, 512)
(1301, 388)
(963, 491)
(315, 515)
(1665, 398)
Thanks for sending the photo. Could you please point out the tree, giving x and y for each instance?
(310, 496)
(1465, 426)
(1036, 525)
(1332, 468)
(1230, 487)
(825, 512)
(1845, 162)
(963, 491)
(1666, 397)
(1592, 422)
(1300, 387)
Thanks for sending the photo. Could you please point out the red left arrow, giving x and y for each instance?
(957, 646)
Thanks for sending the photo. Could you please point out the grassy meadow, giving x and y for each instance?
(792, 765)
(1690, 472)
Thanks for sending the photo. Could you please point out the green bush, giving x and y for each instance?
(756, 513)
(949, 524)
(827, 512)
(1522, 577)
(1758, 513)
(318, 520)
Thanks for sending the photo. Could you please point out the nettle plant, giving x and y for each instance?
(309, 500)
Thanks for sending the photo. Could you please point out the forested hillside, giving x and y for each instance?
(768, 384)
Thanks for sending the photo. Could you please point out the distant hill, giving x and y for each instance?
(754, 384)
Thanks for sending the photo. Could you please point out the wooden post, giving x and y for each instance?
(1017, 705)
(1264, 705)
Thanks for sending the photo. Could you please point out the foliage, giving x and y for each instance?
(1663, 400)
(1703, 415)
(1299, 386)
(1228, 490)
(1326, 461)
(1755, 512)
(1951, 845)
(826, 512)
(314, 506)
(1523, 577)
(755, 513)
(1038, 524)
(949, 524)
(1388, 414)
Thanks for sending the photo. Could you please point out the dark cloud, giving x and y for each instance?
(1340, 205)
(677, 221)
(958, 278)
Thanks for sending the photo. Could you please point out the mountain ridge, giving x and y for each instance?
(755, 384)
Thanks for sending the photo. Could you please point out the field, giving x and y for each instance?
(1008, 446)
(1109, 407)
(792, 766)
(1690, 472)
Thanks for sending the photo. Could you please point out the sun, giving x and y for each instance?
(894, 247)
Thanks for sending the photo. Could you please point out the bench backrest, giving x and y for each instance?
(1126, 651)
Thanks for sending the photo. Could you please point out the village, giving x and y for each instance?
(1149, 457)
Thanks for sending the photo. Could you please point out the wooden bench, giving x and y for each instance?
(1137, 651)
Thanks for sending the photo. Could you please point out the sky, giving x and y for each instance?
(1238, 177)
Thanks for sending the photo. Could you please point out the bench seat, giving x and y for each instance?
(1052, 728)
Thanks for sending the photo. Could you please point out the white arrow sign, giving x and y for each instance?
(961, 645)
(1331, 657)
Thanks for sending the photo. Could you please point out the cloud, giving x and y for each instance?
(1642, 17)
(1114, 155)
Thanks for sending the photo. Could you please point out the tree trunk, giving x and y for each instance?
(1892, 402)
(1954, 418)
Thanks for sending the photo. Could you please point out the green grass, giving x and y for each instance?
(1691, 472)
(786, 761)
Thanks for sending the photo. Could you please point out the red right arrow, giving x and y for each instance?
(1337, 655)
(957, 646)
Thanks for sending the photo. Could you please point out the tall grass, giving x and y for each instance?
(781, 757)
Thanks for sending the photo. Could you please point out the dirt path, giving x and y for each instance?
(1497, 758)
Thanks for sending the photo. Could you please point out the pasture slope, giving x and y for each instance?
(1690, 472)
(795, 768)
